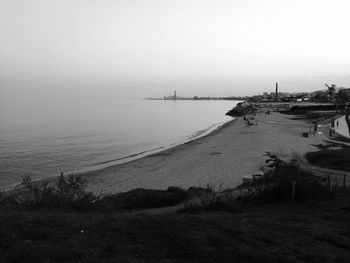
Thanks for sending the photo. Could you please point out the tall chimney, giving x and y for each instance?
(276, 95)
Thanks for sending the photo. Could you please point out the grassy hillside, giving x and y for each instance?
(316, 231)
(335, 159)
(63, 223)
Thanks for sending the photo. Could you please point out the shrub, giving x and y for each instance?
(40, 193)
(68, 193)
(71, 189)
(278, 185)
(208, 197)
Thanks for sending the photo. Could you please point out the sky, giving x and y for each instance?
(147, 48)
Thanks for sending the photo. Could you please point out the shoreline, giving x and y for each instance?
(135, 156)
(222, 157)
(132, 157)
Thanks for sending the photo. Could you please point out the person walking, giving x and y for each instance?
(245, 120)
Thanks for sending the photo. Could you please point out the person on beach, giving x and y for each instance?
(245, 120)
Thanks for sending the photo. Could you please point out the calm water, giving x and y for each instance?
(88, 136)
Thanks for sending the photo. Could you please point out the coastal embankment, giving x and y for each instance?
(223, 157)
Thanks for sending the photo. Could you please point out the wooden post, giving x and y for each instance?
(293, 190)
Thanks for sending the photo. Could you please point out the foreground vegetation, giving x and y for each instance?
(315, 231)
(266, 223)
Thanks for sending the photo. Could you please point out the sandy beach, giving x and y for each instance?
(223, 157)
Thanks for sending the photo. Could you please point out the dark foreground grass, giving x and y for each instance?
(315, 231)
(333, 159)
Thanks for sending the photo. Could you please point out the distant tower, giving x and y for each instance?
(276, 94)
(174, 94)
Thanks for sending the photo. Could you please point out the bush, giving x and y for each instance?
(68, 193)
(278, 185)
(40, 193)
(71, 189)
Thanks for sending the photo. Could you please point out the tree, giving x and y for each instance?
(333, 97)
(343, 95)
(320, 96)
(331, 92)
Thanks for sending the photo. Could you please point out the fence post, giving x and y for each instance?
(293, 190)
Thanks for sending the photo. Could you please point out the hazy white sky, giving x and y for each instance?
(138, 48)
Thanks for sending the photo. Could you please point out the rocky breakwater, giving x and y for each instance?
(241, 109)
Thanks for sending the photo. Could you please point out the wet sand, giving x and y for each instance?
(221, 158)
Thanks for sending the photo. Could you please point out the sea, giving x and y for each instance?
(90, 136)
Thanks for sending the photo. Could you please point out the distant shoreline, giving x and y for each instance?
(198, 98)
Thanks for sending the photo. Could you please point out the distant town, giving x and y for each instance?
(176, 97)
(341, 94)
